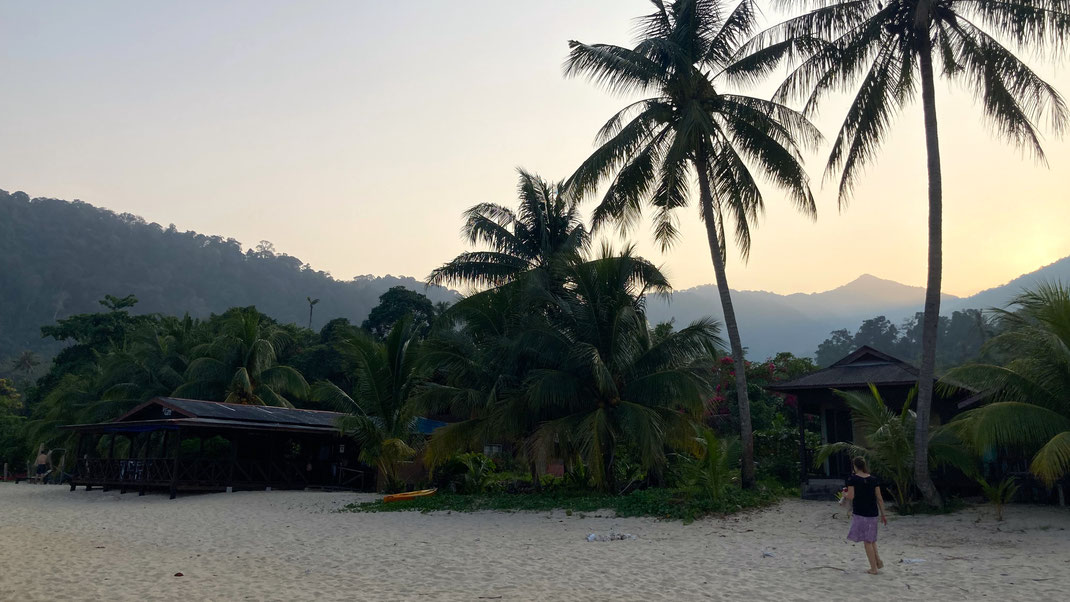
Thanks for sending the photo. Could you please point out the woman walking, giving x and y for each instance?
(863, 489)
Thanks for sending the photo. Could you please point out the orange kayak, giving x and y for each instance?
(400, 497)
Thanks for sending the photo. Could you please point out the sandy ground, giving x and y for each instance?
(59, 545)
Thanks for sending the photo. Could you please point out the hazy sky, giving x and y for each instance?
(353, 134)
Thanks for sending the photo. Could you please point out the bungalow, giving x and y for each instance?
(821, 409)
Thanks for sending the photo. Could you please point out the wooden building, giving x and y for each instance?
(189, 445)
(819, 407)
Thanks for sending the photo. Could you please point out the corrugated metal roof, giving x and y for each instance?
(248, 413)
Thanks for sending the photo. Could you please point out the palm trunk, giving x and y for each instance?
(931, 316)
(745, 434)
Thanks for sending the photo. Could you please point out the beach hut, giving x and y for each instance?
(819, 407)
(191, 445)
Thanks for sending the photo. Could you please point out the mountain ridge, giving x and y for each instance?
(58, 258)
(798, 322)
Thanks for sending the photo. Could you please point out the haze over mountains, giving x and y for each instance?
(770, 323)
(59, 258)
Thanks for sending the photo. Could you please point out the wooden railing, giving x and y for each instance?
(188, 473)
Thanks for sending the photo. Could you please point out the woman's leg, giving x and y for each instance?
(871, 554)
(880, 563)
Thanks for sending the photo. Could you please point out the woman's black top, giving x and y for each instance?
(865, 502)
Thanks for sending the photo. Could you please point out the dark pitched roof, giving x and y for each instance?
(863, 367)
(192, 408)
(175, 411)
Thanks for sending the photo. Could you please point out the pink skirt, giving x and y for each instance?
(863, 528)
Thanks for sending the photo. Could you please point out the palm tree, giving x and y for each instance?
(153, 362)
(381, 413)
(890, 48)
(476, 369)
(601, 382)
(241, 365)
(26, 362)
(688, 128)
(1029, 405)
(545, 229)
(311, 304)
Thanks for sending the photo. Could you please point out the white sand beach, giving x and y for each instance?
(62, 545)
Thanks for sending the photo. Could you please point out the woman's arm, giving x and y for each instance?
(850, 492)
(880, 504)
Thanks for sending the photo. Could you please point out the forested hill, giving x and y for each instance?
(59, 258)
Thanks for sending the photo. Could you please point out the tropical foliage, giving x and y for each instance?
(1000, 494)
(888, 443)
(691, 127)
(961, 337)
(241, 365)
(534, 240)
(1028, 407)
(380, 410)
(883, 53)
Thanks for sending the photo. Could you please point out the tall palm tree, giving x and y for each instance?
(890, 46)
(311, 304)
(602, 382)
(381, 412)
(545, 229)
(1029, 408)
(475, 370)
(26, 362)
(692, 127)
(241, 365)
(154, 361)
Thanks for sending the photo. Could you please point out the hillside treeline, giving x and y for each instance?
(59, 258)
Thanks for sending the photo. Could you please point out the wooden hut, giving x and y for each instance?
(821, 408)
(190, 445)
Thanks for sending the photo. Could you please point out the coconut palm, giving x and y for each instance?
(241, 364)
(1029, 404)
(311, 304)
(892, 47)
(25, 362)
(690, 127)
(475, 370)
(544, 229)
(381, 413)
(154, 361)
(601, 383)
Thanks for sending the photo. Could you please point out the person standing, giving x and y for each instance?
(864, 490)
(42, 463)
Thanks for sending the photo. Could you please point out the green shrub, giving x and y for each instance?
(464, 473)
(776, 451)
(1000, 494)
(716, 469)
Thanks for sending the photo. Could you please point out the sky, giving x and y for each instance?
(353, 134)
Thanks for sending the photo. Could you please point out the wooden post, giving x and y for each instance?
(5, 471)
(143, 458)
(108, 465)
(174, 468)
(803, 468)
(233, 461)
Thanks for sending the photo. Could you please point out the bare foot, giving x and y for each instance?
(873, 572)
(880, 563)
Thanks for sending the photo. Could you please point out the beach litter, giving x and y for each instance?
(912, 560)
(610, 537)
(768, 554)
